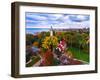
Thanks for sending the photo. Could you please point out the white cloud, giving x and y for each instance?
(81, 17)
(37, 17)
(54, 16)
(57, 20)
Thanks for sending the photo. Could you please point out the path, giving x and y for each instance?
(37, 63)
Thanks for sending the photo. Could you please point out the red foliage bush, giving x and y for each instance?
(48, 58)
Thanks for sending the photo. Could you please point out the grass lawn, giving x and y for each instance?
(34, 60)
(79, 54)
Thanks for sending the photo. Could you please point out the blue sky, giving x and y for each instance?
(35, 30)
(45, 20)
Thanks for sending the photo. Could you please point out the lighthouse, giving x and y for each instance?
(51, 31)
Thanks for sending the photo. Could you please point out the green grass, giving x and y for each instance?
(34, 60)
(79, 54)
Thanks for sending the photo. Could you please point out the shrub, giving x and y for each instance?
(35, 44)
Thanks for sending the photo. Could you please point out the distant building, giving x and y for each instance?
(77, 30)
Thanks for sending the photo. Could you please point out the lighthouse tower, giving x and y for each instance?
(51, 31)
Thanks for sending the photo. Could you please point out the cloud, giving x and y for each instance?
(61, 20)
(35, 16)
(54, 16)
(79, 18)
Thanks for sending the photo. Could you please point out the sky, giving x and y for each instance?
(63, 21)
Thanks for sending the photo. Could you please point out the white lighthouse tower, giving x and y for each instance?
(51, 31)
